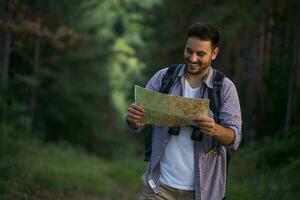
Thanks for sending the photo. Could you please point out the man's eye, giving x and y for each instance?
(189, 51)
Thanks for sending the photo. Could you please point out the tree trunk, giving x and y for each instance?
(8, 6)
(292, 82)
(2, 18)
(35, 66)
(239, 67)
(251, 84)
(6, 58)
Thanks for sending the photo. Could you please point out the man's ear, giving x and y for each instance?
(215, 53)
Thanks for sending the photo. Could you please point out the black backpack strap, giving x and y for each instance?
(166, 84)
(215, 94)
(148, 141)
(215, 101)
(169, 78)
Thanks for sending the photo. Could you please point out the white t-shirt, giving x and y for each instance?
(177, 164)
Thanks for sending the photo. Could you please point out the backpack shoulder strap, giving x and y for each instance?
(169, 78)
(215, 94)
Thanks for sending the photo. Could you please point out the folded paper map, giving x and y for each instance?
(168, 110)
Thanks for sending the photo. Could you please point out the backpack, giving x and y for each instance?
(213, 94)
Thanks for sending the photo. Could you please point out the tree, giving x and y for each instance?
(7, 10)
(293, 73)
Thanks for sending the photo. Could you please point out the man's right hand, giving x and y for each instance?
(135, 115)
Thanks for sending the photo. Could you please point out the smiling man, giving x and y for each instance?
(181, 165)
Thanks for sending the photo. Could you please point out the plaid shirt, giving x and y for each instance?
(210, 170)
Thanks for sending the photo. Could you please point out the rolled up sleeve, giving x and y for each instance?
(230, 112)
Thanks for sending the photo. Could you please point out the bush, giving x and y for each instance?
(268, 169)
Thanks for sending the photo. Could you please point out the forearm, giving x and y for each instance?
(224, 135)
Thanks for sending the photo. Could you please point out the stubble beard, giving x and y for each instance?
(197, 68)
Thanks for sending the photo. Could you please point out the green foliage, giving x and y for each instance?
(125, 66)
(87, 64)
(278, 152)
(27, 165)
(266, 170)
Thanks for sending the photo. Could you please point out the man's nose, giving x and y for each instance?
(193, 57)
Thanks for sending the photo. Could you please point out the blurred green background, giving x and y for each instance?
(68, 69)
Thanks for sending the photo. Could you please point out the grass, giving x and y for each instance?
(269, 169)
(30, 170)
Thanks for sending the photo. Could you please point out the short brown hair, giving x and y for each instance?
(204, 31)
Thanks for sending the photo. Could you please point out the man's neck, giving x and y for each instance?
(195, 80)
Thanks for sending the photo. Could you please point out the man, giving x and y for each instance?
(181, 168)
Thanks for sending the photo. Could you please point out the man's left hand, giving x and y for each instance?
(207, 125)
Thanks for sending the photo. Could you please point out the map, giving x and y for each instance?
(168, 110)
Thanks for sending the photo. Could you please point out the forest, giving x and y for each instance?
(67, 76)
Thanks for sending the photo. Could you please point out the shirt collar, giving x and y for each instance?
(208, 78)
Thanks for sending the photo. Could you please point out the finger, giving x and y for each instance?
(205, 124)
(205, 129)
(135, 111)
(201, 119)
(138, 110)
(135, 117)
(137, 107)
(132, 120)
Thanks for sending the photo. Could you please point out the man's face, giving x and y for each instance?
(198, 55)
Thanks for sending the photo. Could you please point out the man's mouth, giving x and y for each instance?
(194, 64)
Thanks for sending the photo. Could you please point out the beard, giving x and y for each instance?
(196, 68)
